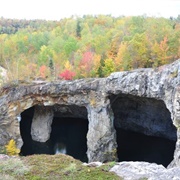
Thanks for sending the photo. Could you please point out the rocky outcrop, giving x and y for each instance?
(144, 170)
(155, 90)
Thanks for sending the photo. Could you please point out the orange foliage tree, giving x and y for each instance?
(43, 70)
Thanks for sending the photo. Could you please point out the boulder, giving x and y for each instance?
(145, 170)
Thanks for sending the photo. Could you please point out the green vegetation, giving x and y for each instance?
(92, 46)
(3, 150)
(46, 167)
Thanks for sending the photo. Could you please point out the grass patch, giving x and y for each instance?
(13, 167)
(47, 167)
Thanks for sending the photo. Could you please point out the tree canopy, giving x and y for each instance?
(89, 46)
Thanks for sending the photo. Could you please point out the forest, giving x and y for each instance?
(88, 46)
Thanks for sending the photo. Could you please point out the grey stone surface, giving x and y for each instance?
(3, 157)
(148, 87)
(93, 164)
(145, 170)
(41, 123)
(144, 115)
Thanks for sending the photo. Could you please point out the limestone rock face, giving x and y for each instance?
(143, 100)
(145, 170)
(41, 124)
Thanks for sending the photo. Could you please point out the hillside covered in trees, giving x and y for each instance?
(91, 46)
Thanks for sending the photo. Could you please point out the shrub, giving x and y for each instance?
(11, 148)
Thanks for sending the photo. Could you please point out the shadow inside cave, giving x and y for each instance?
(68, 136)
(144, 128)
(133, 146)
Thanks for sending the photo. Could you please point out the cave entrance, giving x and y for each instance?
(69, 130)
(144, 129)
(68, 133)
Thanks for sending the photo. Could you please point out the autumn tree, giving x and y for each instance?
(43, 72)
(67, 73)
(160, 52)
(96, 65)
(164, 50)
(44, 55)
(94, 46)
(86, 64)
(122, 60)
(138, 48)
(109, 67)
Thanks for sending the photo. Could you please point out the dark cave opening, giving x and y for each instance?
(144, 129)
(68, 136)
(68, 133)
(133, 146)
(30, 146)
(25, 131)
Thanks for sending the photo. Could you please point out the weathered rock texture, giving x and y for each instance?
(157, 90)
(41, 123)
(145, 170)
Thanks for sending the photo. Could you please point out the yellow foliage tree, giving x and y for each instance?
(139, 50)
(68, 65)
(160, 52)
(11, 148)
(109, 67)
(96, 65)
(119, 60)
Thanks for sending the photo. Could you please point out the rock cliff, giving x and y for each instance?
(146, 101)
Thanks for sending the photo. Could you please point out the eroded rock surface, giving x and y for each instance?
(145, 170)
(145, 87)
(41, 123)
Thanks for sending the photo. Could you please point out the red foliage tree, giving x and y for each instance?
(43, 71)
(86, 64)
(67, 74)
(87, 60)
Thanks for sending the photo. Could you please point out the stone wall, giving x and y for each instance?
(161, 84)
